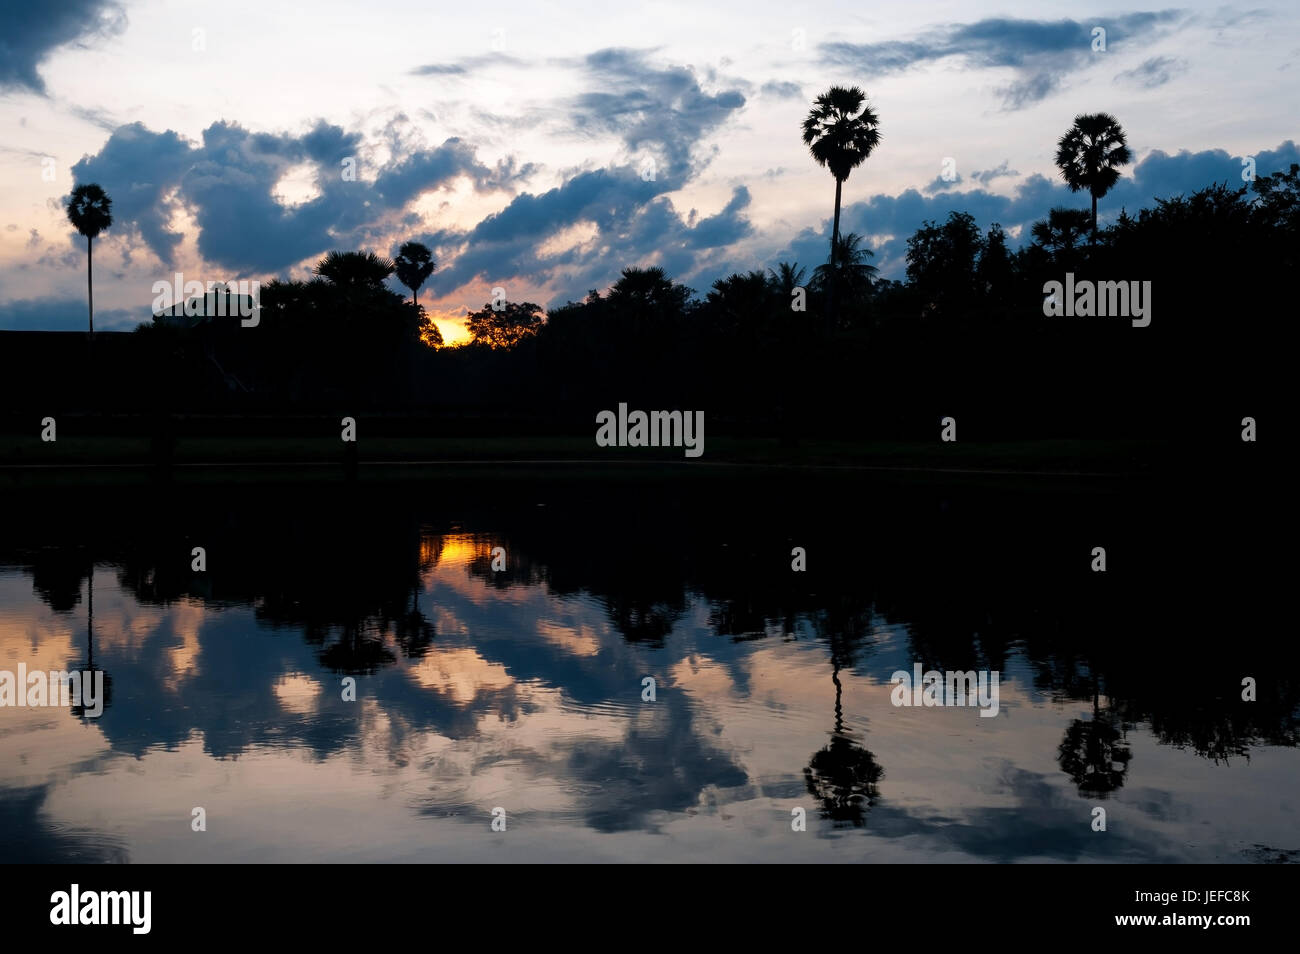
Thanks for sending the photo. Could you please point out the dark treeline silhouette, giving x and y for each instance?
(979, 578)
(964, 333)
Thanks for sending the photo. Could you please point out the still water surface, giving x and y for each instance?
(523, 688)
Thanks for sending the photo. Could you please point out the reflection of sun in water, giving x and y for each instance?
(297, 693)
(455, 550)
(461, 549)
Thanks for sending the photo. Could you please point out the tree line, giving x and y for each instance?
(823, 347)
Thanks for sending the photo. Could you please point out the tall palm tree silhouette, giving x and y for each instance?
(841, 130)
(1089, 156)
(90, 212)
(414, 263)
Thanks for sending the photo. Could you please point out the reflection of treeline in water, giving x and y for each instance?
(1164, 637)
(965, 333)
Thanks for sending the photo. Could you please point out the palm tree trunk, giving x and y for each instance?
(90, 290)
(835, 240)
(90, 615)
(839, 692)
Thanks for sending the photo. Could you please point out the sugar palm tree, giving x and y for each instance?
(414, 263)
(90, 211)
(355, 268)
(844, 775)
(841, 130)
(1089, 156)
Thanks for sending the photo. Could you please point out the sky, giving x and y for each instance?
(542, 147)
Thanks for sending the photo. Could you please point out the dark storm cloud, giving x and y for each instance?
(1040, 52)
(29, 32)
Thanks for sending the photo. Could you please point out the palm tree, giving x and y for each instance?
(90, 212)
(844, 776)
(414, 263)
(1095, 755)
(848, 268)
(1089, 156)
(1061, 233)
(840, 138)
(785, 278)
(355, 268)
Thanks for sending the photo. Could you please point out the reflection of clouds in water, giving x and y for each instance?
(581, 639)
(184, 620)
(527, 697)
(459, 673)
(298, 693)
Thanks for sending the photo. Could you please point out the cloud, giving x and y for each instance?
(661, 109)
(657, 112)
(633, 222)
(228, 181)
(983, 177)
(464, 67)
(1154, 72)
(1039, 52)
(31, 32)
(782, 90)
(441, 69)
(988, 175)
(139, 170)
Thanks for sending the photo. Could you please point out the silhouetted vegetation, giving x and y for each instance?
(769, 351)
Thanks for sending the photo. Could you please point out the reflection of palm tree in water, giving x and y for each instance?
(87, 675)
(1095, 754)
(843, 775)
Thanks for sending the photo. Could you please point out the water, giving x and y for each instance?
(523, 689)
